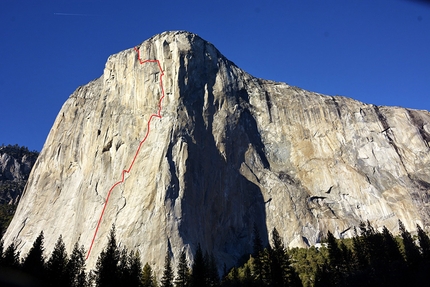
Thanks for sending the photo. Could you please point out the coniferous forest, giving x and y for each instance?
(371, 258)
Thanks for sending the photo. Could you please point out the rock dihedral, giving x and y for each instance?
(231, 151)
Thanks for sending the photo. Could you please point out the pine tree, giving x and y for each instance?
(148, 279)
(335, 253)
(76, 267)
(292, 276)
(1, 251)
(167, 279)
(34, 262)
(266, 264)
(391, 268)
(323, 276)
(82, 280)
(11, 257)
(424, 241)
(106, 272)
(56, 267)
(347, 258)
(234, 280)
(282, 273)
(391, 246)
(134, 270)
(198, 270)
(277, 265)
(360, 256)
(257, 242)
(257, 265)
(183, 273)
(212, 271)
(122, 267)
(332, 272)
(412, 253)
(91, 279)
(374, 242)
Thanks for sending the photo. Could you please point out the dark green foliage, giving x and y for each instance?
(56, 267)
(282, 273)
(412, 253)
(380, 248)
(8, 191)
(247, 279)
(122, 267)
(233, 278)
(270, 267)
(360, 252)
(377, 259)
(198, 270)
(6, 214)
(392, 248)
(182, 271)
(117, 267)
(134, 269)
(424, 241)
(17, 151)
(266, 263)
(76, 267)
(148, 279)
(323, 276)
(10, 257)
(212, 276)
(340, 261)
(107, 273)
(278, 261)
(347, 257)
(307, 262)
(392, 265)
(167, 279)
(372, 258)
(34, 262)
(257, 264)
(373, 244)
(276, 265)
(335, 253)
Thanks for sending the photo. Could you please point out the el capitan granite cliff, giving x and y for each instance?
(230, 151)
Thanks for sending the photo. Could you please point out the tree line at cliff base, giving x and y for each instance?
(370, 258)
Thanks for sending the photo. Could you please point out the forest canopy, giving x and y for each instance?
(371, 258)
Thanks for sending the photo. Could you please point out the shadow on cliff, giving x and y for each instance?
(220, 206)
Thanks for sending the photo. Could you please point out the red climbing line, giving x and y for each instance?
(157, 115)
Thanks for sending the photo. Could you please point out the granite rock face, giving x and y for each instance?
(15, 166)
(231, 151)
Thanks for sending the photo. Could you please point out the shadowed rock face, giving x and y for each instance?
(230, 151)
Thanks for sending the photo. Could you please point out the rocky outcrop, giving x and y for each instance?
(230, 151)
(15, 165)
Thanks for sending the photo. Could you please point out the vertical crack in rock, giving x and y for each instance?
(269, 106)
(418, 122)
(172, 191)
(389, 135)
(21, 227)
(336, 104)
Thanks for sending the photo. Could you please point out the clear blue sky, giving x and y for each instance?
(375, 51)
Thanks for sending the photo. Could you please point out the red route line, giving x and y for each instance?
(157, 115)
